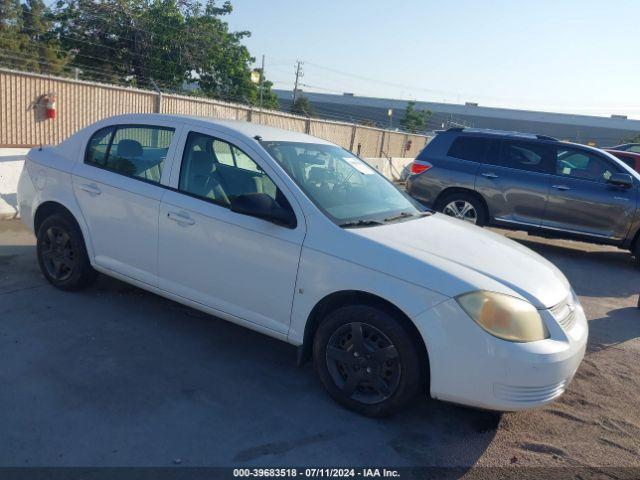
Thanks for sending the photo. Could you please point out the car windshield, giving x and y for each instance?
(344, 187)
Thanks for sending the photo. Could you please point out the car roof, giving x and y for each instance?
(624, 145)
(248, 129)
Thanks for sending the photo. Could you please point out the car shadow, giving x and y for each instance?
(593, 273)
(132, 365)
(616, 327)
(238, 374)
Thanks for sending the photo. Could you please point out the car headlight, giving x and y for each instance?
(504, 316)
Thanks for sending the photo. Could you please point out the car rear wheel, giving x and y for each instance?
(635, 251)
(366, 360)
(464, 206)
(62, 255)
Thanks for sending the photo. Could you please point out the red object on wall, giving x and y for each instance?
(50, 105)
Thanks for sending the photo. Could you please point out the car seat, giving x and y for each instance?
(203, 178)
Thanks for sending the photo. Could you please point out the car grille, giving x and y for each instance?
(525, 395)
(565, 313)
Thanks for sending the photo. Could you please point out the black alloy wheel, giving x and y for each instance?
(62, 254)
(58, 255)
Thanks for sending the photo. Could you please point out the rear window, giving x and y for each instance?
(529, 156)
(469, 148)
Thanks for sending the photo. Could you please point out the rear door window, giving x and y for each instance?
(529, 156)
(473, 149)
(132, 150)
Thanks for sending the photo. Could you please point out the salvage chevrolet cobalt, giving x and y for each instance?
(297, 238)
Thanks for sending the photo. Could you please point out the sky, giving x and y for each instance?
(573, 56)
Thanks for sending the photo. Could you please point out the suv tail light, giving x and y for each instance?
(420, 167)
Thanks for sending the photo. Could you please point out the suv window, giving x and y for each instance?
(218, 171)
(131, 150)
(469, 148)
(576, 163)
(533, 157)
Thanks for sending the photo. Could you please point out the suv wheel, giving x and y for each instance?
(62, 255)
(635, 251)
(366, 360)
(464, 206)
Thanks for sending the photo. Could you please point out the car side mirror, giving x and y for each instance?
(621, 180)
(261, 205)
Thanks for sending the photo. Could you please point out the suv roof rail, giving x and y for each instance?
(547, 137)
(490, 131)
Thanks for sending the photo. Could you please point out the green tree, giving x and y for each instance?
(302, 106)
(11, 37)
(634, 139)
(415, 121)
(41, 48)
(166, 42)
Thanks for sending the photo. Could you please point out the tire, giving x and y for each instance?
(635, 251)
(352, 371)
(477, 214)
(62, 254)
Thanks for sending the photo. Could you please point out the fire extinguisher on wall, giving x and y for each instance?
(50, 105)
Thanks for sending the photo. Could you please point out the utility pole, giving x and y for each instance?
(299, 74)
(261, 82)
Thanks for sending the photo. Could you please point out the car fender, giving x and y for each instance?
(321, 274)
(55, 185)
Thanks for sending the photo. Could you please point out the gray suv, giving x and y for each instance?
(530, 182)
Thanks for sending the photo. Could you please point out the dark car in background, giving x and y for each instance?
(530, 182)
(627, 147)
(629, 157)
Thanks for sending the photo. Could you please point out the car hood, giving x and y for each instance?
(452, 257)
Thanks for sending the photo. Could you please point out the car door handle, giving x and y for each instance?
(489, 175)
(181, 218)
(91, 188)
(561, 187)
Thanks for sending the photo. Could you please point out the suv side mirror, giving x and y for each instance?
(262, 206)
(621, 180)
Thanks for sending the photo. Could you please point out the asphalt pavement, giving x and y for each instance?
(116, 376)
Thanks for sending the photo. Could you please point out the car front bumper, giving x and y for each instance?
(471, 367)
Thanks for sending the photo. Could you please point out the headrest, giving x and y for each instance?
(129, 149)
(201, 163)
(317, 174)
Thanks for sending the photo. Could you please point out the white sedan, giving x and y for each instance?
(295, 237)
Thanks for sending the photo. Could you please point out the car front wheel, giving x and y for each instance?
(366, 360)
(62, 255)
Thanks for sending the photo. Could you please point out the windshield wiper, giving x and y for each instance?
(360, 223)
(402, 215)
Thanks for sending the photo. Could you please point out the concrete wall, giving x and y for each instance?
(12, 160)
